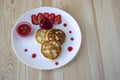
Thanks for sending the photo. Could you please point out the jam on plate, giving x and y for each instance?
(24, 29)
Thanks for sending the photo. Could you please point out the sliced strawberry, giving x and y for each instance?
(34, 19)
(51, 17)
(57, 19)
(39, 17)
(46, 14)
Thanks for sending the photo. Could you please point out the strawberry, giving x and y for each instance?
(46, 23)
(57, 19)
(39, 17)
(46, 14)
(51, 17)
(34, 19)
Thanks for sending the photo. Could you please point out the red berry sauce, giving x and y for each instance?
(71, 38)
(24, 29)
(70, 49)
(65, 25)
(70, 31)
(56, 63)
(34, 55)
(25, 50)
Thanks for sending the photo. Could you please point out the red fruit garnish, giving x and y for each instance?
(51, 17)
(46, 14)
(46, 23)
(24, 29)
(39, 17)
(57, 19)
(34, 19)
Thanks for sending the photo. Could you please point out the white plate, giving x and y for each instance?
(20, 43)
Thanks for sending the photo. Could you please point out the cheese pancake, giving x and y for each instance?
(56, 35)
(40, 36)
(51, 49)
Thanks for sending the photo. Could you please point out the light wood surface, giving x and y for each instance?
(99, 55)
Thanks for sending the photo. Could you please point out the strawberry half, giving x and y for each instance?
(51, 17)
(39, 17)
(34, 19)
(46, 14)
(57, 19)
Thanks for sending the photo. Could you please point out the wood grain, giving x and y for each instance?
(99, 55)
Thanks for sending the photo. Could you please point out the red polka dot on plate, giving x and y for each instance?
(70, 31)
(65, 25)
(71, 38)
(70, 48)
(25, 50)
(56, 63)
(34, 55)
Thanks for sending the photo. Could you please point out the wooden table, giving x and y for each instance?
(99, 55)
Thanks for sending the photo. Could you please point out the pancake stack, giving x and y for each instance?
(51, 41)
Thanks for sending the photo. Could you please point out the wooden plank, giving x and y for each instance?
(98, 58)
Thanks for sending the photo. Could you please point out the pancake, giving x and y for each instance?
(56, 35)
(51, 49)
(40, 36)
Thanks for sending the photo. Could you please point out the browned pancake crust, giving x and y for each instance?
(40, 36)
(51, 49)
(56, 35)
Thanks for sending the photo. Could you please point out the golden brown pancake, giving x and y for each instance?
(40, 36)
(51, 49)
(56, 35)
